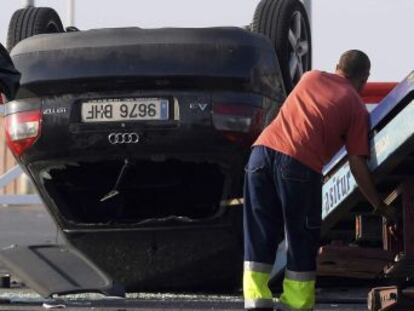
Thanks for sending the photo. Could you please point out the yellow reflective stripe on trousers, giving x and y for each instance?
(298, 295)
(256, 291)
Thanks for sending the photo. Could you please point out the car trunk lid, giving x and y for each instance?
(57, 269)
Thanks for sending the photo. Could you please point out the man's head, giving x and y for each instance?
(355, 66)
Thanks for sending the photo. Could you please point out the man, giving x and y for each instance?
(9, 76)
(283, 179)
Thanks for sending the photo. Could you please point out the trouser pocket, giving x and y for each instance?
(313, 222)
(293, 170)
(257, 161)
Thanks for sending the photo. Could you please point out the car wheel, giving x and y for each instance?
(286, 24)
(32, 21)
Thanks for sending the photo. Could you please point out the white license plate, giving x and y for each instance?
(130, 109)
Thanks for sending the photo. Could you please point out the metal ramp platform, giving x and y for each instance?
(392, 156)
(392, 165)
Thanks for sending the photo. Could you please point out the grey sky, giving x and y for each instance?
(379, 27)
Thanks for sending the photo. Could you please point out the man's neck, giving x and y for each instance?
(343, 75)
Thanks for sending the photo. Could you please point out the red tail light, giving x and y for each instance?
(22, 130)
(239, 123)
(231, 117)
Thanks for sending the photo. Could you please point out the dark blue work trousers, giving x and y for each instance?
(282, 200)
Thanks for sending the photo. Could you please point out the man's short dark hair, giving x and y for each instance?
(354, 64)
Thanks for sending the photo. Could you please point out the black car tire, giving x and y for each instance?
(278, 20)
(32, 21)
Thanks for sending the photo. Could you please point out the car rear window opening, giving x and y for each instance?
(143, 192)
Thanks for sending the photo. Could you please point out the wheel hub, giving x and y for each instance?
(299, 46)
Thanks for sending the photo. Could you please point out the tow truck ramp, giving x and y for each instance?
(392, 165)
(392, 155)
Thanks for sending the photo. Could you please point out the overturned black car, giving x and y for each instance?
(136, 139)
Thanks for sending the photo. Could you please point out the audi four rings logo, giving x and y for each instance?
(123, 138)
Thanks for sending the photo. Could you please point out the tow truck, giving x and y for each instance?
(377, 250)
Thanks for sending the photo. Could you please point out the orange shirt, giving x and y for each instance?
(323, 113)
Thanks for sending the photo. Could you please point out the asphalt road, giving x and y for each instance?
(32, 225)
(26, 300)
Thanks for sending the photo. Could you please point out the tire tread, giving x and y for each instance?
(31, 21)
(270, 19)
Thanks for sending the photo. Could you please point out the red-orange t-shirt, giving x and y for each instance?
(323, 113)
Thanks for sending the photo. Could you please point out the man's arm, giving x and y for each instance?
(363, 177)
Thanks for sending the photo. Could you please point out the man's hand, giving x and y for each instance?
(363, 177)
(366, 184)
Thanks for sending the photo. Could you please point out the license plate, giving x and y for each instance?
(115, 110)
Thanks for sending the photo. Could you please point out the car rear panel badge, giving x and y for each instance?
(123, 138)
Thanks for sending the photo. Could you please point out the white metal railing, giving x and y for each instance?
(70, 16)
(16, 199)
(27, 3)
(10, 175)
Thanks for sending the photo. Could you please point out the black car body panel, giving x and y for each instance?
(209, 57)
(62, 158)
(151, 212)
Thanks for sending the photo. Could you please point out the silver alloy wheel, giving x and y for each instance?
(299, 56)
